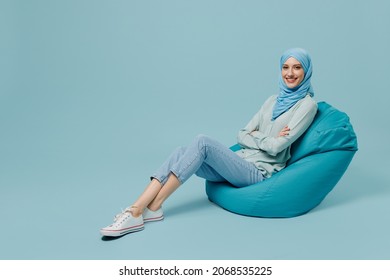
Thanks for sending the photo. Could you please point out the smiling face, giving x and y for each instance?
(292, 72)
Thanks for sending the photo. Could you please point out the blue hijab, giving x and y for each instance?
(289, 96)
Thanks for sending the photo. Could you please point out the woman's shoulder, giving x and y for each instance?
(271, 99)
(269, 102)
(309, 101)
(306, 105)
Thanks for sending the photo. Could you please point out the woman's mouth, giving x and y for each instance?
(290, 80)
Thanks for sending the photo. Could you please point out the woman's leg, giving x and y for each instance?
(206, 158)
(213, 161)
(170, 186)
(149, 194)
(154, 195)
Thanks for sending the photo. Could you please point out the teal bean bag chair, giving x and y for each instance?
(319, 159)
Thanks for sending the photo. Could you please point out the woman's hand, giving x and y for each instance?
(284, 131)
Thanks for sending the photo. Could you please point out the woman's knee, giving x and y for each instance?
(202, 140)
(179, 150)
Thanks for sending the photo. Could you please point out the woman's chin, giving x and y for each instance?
(291, 83)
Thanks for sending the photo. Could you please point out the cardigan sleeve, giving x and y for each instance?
(300, 121)
(244, 138)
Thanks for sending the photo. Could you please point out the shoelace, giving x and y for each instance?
(118, 216)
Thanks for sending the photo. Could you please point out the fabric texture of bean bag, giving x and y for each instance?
(319, 159)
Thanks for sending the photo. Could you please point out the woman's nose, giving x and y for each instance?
(290, 72)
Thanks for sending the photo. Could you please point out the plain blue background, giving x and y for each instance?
(94, 95)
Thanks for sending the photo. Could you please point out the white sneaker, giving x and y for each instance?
(124, 223)
(152, 216)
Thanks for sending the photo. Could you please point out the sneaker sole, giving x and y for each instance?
(120, 232)
(156, 219)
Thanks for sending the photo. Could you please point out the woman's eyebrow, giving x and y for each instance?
(298, 64)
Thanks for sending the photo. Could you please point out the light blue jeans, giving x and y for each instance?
(210, 160)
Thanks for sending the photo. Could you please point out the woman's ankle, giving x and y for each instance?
(154, 207)
(136, 211)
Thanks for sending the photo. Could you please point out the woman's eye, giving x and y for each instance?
(285, 67)
(298, 67)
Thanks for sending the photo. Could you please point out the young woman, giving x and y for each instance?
(265, 143)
